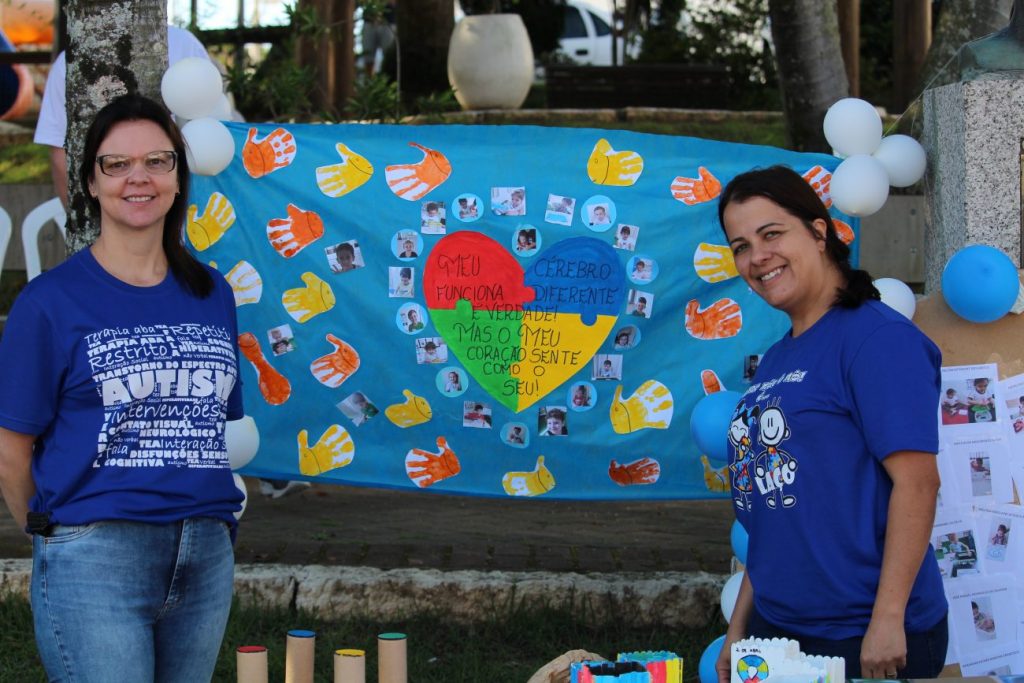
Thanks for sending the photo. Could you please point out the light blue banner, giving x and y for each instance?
(488, 310)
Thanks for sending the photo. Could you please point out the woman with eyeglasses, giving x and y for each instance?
(118, 369)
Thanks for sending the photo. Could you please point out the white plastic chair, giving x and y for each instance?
(5, 236)
(50, 210)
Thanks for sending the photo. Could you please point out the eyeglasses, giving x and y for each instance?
(155, 163)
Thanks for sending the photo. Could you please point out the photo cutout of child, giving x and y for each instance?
(358, 408)
(344, 256)
(625, 236)
(956, 554)
(998, 539)
(1015, 409)
(559, 209)
(467, 207)
(281, 339)
(551, 421)
(451, 381)
(515, 434)
(984, 624)
(432, 218)
(607, 366)
(750, 363)
(476, 415)
(642, 269)
(626, 338)
(411, 318)
(431, 350)
(400, 282)
(639, 304)
(981, 400)
(508, 201)
(527, 241)
(406, 245)
(952, 406)
(582, 396)
(981, 476)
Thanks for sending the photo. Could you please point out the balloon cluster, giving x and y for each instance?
(243, 440)
(860, 185)
(193, 90)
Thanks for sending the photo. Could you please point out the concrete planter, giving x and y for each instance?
(490, 62)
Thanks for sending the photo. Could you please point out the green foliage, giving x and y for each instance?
(876, 59)
(436, 104)
(375, 99)
(24, 163)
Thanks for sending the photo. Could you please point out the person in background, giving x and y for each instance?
(378, 32)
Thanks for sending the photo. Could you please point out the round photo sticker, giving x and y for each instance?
(598, 213)
(642, 269)
(581, 397)
(525, 240)
(515, 434)
(626, 337)
(452, 381)
(467, 207)
(407, 245)
(411, 318)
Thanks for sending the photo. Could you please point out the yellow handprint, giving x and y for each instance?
(337, 180)
(204, 231)
(333, 450)
(302, 303)
(714, 262)
(534, 483)
(415, 411)
(246, 283)
(608, 167)
(650, 407)
(716, 480)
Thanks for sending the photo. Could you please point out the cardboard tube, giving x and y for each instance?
(251, 664)
(349, 666)
(298, 658)
(391, 658)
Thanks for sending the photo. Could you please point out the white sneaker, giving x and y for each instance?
(287, 490)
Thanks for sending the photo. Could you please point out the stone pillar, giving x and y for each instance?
(972, 134)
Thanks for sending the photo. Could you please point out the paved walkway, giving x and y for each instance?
(340, 525)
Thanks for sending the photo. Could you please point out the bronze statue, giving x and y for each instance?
(1000, 55)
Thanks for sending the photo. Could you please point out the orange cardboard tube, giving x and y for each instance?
(251, 664)
(391, 656)
(349, 666)
(298, 659)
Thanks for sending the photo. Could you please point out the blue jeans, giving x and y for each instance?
(127, 601)
(926, 651)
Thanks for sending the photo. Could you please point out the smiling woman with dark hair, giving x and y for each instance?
(118, 369)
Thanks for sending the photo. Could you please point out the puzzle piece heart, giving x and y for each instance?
(521, 334)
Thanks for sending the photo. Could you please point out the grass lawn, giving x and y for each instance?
(507, 648)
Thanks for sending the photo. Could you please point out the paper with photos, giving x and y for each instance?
(985, 612)
(981, 468)
(1000, 529)
(1013, 397)
(993, 661)
(954, 540)
(970, 398)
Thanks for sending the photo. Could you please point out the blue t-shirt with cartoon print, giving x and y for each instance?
(127, 389)
(808, 440)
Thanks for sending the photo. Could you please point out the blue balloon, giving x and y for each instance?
(708, 660)
(980, 283)
(738, 537)
(709, 423)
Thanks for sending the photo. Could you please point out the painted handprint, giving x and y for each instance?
(337, 366)
(649, 407)
(246, 283)
(415, 411)
(609, 167)
(274, 386)
(265, 155)
(720, 320)
(332, 450)
(534, 483)
(843, 231)
(303, 303)
(714, 262)
(820, 179)
(642, 471)
(425, 468)
(715, 479)
(414, 181)
(710, 382)
(204, 231)
(691, 191)
(337, 180)
(291, 235)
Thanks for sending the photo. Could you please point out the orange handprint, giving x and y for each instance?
(820, 180)
(642, 471)
(720, 320)
(274, 386)
(710, 381)
(334, 368)
(291, 235)
(266, 155)
(692, 191)
(426, 469)
(844, 231)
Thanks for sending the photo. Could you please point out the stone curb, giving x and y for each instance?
(668, 599)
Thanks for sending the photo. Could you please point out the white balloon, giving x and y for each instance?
(903, 158)
(243, 440)
(209, 146)
(192, 87)
(859, 185)
(853, 126)
(730, 591)
(222, 112)
(240, 485)
(897, 296)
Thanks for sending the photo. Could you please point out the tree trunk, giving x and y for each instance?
(960, 21)
(811, 73)
(912, 34)
(849, 38)
(114, 48)
(330, 53)
(424, 29)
